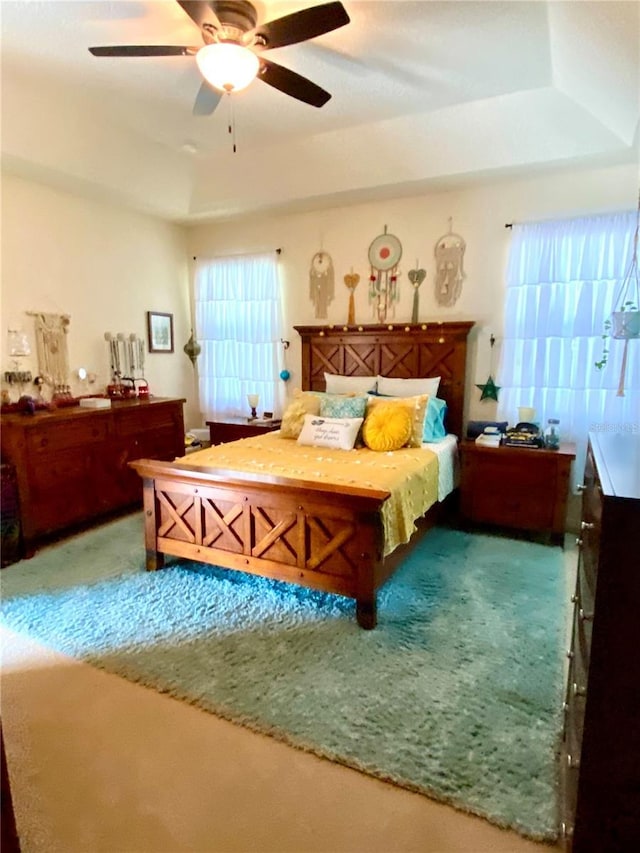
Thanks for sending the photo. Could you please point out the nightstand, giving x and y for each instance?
(516, 487)
(231, 429)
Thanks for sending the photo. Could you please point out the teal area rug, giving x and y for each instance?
(456, 694)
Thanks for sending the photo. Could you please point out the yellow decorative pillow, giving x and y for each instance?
(293, 418)
(417, 406)
(388, 427)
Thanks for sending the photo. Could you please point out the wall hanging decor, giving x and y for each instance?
(321, 283)
(51, 343)
(490, 389)
(385, 253)
(624, 322)
(416, 277)
(192, 349)
(351, 280)
(449, 254)
(285, 375)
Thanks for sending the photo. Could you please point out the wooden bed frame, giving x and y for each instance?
(295, 530)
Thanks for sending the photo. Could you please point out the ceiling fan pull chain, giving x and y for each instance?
(231, 124)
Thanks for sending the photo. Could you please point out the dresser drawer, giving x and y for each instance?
(134, 421)
(514, 506)
(537, 473)
(586, 577)
(580, 651)
(54, 437)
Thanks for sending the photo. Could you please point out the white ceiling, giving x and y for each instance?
(424, 93)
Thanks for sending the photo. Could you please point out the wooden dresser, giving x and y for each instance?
(72, 463)
(600, 756)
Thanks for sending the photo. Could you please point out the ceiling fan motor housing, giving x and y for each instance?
(236, 13)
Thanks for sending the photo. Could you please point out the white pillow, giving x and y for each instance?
(340, 433)
(389, 387)
(337, 384)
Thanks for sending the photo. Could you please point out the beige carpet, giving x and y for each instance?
(100, 764)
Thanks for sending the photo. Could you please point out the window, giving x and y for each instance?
(562, 280)
(239, 326)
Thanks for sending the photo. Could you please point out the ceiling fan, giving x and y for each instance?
(233, 44)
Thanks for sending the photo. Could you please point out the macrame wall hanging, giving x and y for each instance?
(51, 341)
(351, 280)
(321, 283)
(416, 277)
(449, 254)
(384, 256)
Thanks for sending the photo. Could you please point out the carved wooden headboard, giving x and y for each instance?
(403, 350)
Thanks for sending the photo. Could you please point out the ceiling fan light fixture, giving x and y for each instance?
(227, 66)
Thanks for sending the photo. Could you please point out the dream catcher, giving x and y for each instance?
(321, 284)
(384, 256)
(416, 277)
(449, 253)
(351, 281)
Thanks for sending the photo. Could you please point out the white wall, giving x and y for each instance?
(479, 214)
(105, 267)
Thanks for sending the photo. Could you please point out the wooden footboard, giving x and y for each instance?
(291, 530)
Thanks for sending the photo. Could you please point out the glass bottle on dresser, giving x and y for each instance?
(552, 434)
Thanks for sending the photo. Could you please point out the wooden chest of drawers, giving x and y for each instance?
(516, 487)
(600, 756)
(72, 464)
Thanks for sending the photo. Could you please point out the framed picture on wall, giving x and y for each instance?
(160, 331)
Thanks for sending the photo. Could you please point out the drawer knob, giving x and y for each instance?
(584, 616)
(566, 830)
(579, 542)
(581, 487)
(570, 654)
(572, 761)
(579, 691)
(586, 525)
(574, 598)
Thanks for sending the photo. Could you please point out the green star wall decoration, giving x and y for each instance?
(489, 390)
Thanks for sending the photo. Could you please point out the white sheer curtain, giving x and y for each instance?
(238, 316)
(562, 280)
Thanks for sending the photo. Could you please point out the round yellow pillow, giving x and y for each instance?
(387, 427)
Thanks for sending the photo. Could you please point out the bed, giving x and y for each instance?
(329, 538)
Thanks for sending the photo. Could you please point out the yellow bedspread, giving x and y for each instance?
(409, 474)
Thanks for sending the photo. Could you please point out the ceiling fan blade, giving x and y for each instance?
(207, 100)
(293, 84)
(303, 25)
(144, 50)
(200, 12)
